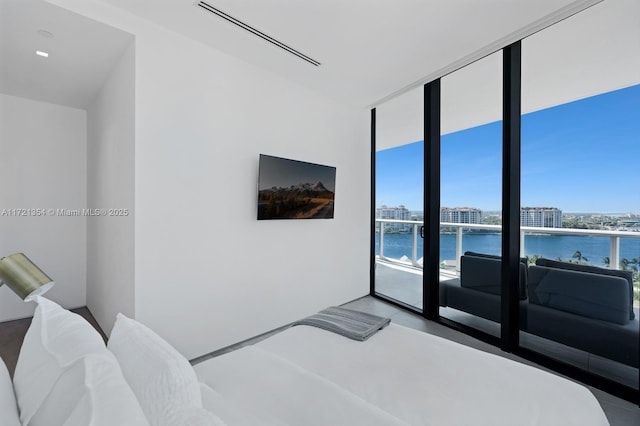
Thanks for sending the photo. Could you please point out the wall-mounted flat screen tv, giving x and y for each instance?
(290, 189)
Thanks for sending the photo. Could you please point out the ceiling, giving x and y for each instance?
(82, 53)
(368, 49)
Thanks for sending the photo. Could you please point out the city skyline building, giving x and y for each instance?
(460, 215)
(535, 217)
(394, 213)
(541, 217)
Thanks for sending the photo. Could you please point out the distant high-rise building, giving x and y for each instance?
(541, 217)
(460, 215)
(394, 213)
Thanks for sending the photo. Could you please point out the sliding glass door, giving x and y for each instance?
(530, 161)
(471, 194)
(399, 177)
(580, 202)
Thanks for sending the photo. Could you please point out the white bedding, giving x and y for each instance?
(271, 389)
(308, 376)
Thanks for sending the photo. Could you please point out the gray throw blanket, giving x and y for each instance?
(352, 324)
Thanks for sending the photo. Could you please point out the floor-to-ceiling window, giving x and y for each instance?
(570, 163)
(471, 194)
(580, 202)
(399, 177)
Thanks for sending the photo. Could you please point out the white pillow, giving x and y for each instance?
(194, 416)
(8, 407)
(93, 392)
(162, 379)
(56, 339)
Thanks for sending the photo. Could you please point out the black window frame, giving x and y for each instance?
(511, 192)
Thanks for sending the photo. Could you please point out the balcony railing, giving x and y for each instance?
(614, 237)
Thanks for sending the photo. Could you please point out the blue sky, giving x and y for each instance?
(583, 156)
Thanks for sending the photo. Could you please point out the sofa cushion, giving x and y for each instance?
(481, 304)
(490, 256)
(627, 275)
(482, 272)
(609, 340)
(590, 295)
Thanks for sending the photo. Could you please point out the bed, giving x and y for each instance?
(301, 376)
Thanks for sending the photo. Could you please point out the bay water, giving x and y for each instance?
(593, 249)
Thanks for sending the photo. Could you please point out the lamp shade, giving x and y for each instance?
(23, 277)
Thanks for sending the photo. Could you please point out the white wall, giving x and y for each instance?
(207, 273)
(43, 165)
(110, 190)
(204, 265)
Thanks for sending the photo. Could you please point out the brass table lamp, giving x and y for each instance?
(23, 277)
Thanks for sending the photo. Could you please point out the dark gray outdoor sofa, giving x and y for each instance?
(478, 290)
(585, 307)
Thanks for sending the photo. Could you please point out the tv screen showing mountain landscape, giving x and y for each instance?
(290, 189)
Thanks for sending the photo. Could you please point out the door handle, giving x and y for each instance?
(422, 232)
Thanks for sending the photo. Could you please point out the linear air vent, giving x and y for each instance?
(206, 6)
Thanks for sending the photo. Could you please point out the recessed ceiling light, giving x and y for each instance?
(41, 53)
(45, 33)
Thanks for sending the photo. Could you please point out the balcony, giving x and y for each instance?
(400, 277)
(399, 273)
(413, 260)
